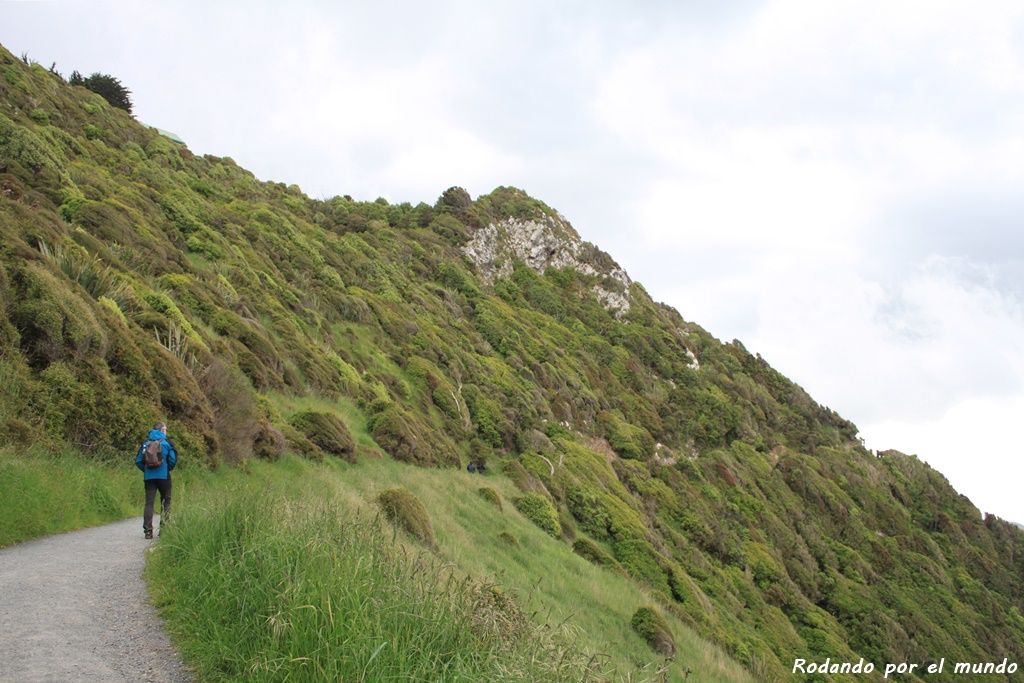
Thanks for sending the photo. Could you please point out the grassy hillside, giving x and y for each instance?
(141, 281)
(304, 548)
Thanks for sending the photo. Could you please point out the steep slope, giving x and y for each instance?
(140, 281)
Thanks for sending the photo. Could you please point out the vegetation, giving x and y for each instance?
(48, 492)
(540, 511)
(491, 496)
(651, 626)
(236, 534)
(407, 512)
(107, 87)
(229, 557)
(141, 282)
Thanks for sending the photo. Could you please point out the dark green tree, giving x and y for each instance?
(108, 87)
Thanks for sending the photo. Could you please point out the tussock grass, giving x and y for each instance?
(258, 564)
(261, 587)
(42, 492)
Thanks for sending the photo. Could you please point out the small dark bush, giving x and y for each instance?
(406, 511)
(651, 626)
(409, 439)
(327, 431)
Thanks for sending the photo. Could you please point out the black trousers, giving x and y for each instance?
(152, 486)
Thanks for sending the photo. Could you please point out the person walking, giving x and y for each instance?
(157, 457)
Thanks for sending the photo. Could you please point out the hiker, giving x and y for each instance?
(157, 457)
(471, 467)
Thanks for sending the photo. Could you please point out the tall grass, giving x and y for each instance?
(566, 589)
(285, 572)
(266, 588)
(42, 492)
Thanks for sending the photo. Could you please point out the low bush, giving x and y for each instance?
(651, 626)
(327, 431)
(491, 496)
(593, 553)
(508, 538)
(406, 511)
(541, 512)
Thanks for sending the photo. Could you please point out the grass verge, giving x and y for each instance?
(268, 588)
(288, 572)
(44, 492)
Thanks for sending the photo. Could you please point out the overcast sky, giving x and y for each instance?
(836, 185)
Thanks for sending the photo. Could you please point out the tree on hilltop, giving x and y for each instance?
(108, 87)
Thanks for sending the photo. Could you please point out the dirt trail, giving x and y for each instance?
(73, 607)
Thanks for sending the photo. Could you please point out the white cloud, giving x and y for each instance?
(974, 444)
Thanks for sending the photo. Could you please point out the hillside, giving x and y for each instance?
(141, 281)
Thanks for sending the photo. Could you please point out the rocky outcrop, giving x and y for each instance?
(548, 242)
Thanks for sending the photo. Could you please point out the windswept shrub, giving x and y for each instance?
(594, 554)
(509, 538)
(270, 442)
(652, 627)
(327, 431)
(54, 323)
(539, 510)
(405, 437)
(406, 511)
(491, 496)
(629, 441)
(643, 563)
(299, 443)
(235, 410)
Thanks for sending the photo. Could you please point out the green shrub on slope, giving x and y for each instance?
(540, 511)
(407, 512)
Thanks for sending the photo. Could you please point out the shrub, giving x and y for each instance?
(541, 512)
(509, 538)
(491, 496)
(456, 198)
(298, 443)
(327, 432)
(593, 553)
(54, 323)
(406, 438)
(643, 563)
(235, 410)
(40, 116)
(406, 511)
(651, 626)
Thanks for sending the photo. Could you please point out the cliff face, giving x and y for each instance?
(550, 242)
(141, 282)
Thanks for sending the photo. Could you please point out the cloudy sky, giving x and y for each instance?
(836, 185)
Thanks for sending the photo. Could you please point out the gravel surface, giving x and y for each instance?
(74, 607)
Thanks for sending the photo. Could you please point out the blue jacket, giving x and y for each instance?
(170, 457)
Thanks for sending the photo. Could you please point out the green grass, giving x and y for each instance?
(288, 572)
(48, 493)
(260, 586)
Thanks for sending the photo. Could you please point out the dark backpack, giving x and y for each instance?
(152, 454)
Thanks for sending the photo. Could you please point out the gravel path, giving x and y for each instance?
(74, 607)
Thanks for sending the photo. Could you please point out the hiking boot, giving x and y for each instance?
(149, 535)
